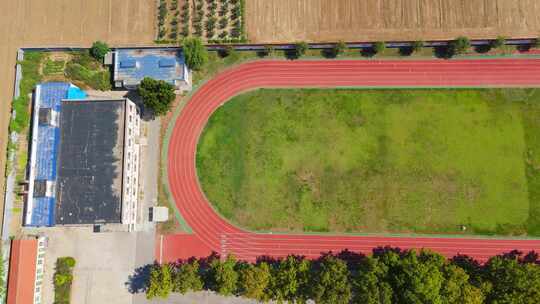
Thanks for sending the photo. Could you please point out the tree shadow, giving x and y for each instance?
(443, 51)
(523, 48)
(380, 251)
(146, 114)
(291, 54)
(531, 257)
(267, 259)
(482, 49)
(368, 52)
(406, 51)
(138, 281)
(329, 53)
(262, 53)
(469, 264)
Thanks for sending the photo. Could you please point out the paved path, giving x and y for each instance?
(213, 233)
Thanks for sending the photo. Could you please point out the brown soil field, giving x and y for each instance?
(39, 23)
(364, 20)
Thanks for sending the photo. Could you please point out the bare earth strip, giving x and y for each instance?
(27, 23)
(359, 20)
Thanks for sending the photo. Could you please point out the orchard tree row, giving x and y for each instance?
(213, 20)
(389, 275)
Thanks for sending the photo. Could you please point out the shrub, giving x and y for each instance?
(498, 42)
(378, 47)
(301, 48)
(340, 47)
(459, 46)
(195, 53)
(417, 45)
(99, 49)
(63, 279)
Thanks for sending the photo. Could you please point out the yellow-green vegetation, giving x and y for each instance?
(86, 71)
(424, 161)
(63, 279)
(53, 67)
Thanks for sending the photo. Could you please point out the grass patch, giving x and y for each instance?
(63, 279)
(84, 70)
(423, 161)
(216, 63)
(53, 67)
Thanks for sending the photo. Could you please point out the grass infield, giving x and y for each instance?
(423, 161)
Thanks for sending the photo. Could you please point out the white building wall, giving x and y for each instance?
(130, 182)
(40, 268)
(32, 162)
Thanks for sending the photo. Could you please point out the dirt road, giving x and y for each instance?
(26, 23)
(355, 20)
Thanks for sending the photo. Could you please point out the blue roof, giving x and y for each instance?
(43, 211)
(167, 62)
(52, 93)
(132, 65)
(128, 63)
(76, 93)
(46, 152)
(48, 140)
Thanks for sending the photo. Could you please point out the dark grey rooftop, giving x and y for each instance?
(90, 162)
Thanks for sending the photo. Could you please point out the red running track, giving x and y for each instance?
(212, 233)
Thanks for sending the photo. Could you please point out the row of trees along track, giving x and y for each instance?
(390, 275)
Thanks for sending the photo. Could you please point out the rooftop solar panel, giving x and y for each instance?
(167, 63)
(128, 63)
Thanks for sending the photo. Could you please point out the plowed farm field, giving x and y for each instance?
(355, 20)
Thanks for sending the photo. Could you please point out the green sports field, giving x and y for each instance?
(424, 161)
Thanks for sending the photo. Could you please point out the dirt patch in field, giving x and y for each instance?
(354, 20)
(26, 23)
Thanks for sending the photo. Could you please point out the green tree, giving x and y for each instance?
(498, 42)
(340, 47)
(459, 46)
(223, 276)
(457, 289)
(378, 47)
(417, 45)
(99, 49)
(511, 281)
(418, 278)
(287, 278)
(301, 48)
(195, 53)
(269, 49)
(157, 95)
(186, 278)
(160, 282)
(370, 283)
(254, 281)
(331, 281)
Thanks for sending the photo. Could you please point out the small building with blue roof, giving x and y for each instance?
(131, 66)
